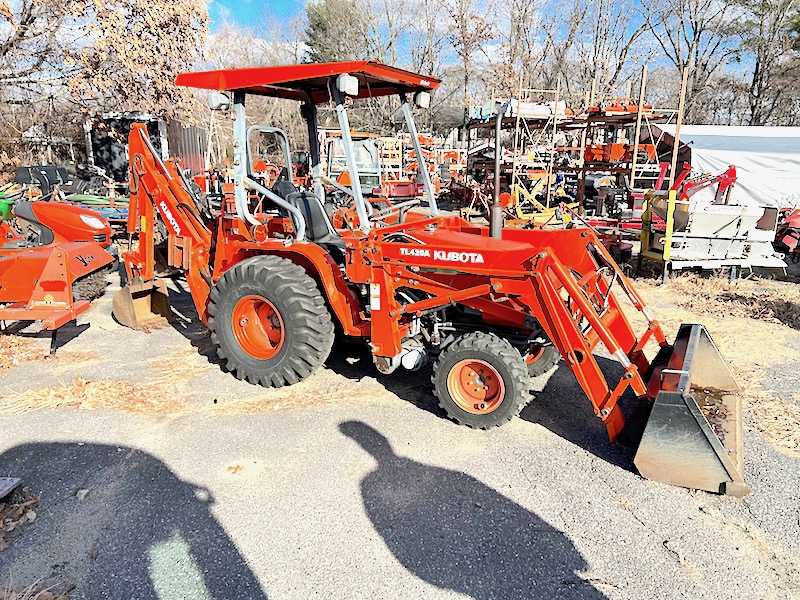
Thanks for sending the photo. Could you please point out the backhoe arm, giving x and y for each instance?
(154, 187)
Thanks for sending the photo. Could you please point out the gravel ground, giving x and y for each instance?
(354, 486)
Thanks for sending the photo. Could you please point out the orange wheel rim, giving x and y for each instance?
(476, 386)
(534, 355)
(258, 327)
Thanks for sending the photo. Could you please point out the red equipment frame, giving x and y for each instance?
(299, 82)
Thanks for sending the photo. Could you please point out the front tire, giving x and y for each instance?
(269, 322)
(540, 359)
(481, 381)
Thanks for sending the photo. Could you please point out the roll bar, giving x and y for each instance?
(242, 166)
(242, 162)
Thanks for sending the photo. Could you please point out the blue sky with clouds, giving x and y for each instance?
(245, 12)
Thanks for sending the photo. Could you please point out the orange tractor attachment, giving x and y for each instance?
(269, 275)
(51, 271)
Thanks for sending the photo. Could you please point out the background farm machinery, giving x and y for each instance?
(54, 260)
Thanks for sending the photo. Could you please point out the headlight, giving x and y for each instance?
(93, 222)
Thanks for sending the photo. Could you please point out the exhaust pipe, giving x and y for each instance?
(141, 305)
(693, 436)
(496, 211)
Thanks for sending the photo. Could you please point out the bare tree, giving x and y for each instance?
(469, 32)
(698, 34)
(388, 23)
(428, 34)
(768, 35)
(592, 42)
(520, 31)
(31, 53)
(338, 30)
(612, 31)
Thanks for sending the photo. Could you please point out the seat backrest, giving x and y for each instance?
(318, 224)
(24, 211)
(283, 188)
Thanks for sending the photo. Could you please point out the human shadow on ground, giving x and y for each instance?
(561, 406)
(456, 533)
(140, 531)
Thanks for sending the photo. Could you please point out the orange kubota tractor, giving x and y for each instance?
(273, 280)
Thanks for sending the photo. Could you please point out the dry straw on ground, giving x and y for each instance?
(778, 419)
(179, 368)
(305, 395)
(15, 350)
(159, 398)
(33, 592)
(736, 315)
(752, 299)
(80, 393)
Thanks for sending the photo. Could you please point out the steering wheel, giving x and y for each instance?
(400, 208)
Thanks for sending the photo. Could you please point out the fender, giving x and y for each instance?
(320, 265)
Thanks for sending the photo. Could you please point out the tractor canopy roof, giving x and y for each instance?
(298, 82)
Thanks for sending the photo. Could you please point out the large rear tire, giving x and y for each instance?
(481, 381)
(269, 322)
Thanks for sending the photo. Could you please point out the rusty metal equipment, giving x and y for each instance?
(270, 275)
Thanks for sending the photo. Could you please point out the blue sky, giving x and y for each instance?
(245, 12)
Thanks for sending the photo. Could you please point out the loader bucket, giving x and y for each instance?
(141, 305)
(693, 437)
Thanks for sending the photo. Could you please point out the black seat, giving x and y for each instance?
(46, 177)
(318, 225)
(283, 188)
(24, 211)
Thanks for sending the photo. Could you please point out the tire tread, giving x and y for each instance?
(312, 337)
(498, 348)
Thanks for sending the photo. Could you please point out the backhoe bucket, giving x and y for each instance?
(693, 437)
(141, 305)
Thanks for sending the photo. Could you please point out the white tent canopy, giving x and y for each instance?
(767, 159)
